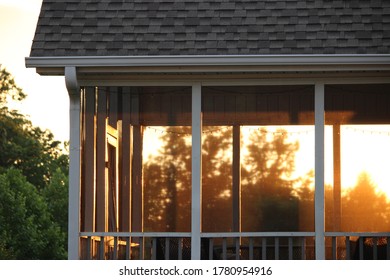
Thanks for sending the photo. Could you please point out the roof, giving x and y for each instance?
(217, 27)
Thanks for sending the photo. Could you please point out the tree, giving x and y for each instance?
(217, 151)
(23, 146)
(27, 230)
(364, 208)
(267, 188)
(167, 177)
(8, 88)
(33, 184)
(56, 198)
(271, 198)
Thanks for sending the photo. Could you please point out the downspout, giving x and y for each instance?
(74, 163)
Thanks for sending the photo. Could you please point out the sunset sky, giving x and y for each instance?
(47, 102)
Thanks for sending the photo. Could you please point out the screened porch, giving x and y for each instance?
(235, 172)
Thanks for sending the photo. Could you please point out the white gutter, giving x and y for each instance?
(212, 60)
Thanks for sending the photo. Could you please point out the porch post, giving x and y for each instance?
(336, 177)
(236, 179)
(196, 202)
(336, 182)
(319, 204)
(74, 163)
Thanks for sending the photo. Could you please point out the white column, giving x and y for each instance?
(319, 201)
(196, 203)
(74, 164)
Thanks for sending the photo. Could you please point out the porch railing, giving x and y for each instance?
(259, 245)
(358, 245)
(233, 245)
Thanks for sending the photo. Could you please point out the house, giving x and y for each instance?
(186, 117)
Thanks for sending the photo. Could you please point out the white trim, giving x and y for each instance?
(207, 60)
(257, 234)
(74, 165)
(217, 234)
(196, 201)
(319, 196)
(363, 234)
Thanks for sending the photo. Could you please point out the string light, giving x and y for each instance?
(161, 130)
(281, 131)
(368, 131)
(169, 131)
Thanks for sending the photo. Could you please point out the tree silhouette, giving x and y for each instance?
(167, 183)
(268, 199)
(271, 198)
(364, 208)
(267, 187)
(217, 210)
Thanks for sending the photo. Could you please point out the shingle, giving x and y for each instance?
(156, 27)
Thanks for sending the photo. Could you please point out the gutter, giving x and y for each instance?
(212, 60)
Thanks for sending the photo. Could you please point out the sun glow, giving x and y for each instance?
(365, 148)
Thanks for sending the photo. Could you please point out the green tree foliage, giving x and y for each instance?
(33, 196)
(56, 198)
(8, 88)
(22, 145)
(29, 149)
(27, 230)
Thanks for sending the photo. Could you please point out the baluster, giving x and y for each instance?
(211, 249)
(154, 248)
(237, 241)
(251, 248)
(224, 245)
(141, 248)
(348, 248)
(101, 248)
(361, 248)
(180, 248)
(264, 248)
(167, 248)
(375, 248)
(290, 248)
(303, 248)
(334, 247)
(89, 239)
(128, 248)
(115, 256)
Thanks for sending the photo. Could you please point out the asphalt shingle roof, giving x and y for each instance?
(218, 27)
